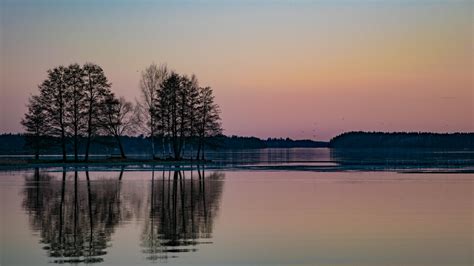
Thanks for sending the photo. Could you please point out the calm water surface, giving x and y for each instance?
(210, 217)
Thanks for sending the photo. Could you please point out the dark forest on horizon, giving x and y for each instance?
(390, 140)
(15, 144)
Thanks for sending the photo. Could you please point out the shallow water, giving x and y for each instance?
(236, 218)
(307, 159)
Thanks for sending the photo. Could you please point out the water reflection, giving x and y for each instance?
(181, 214)
(76, 215)
(268, 156)
(75, 219)
(383, 159)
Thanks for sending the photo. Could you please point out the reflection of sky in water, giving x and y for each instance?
(300, 164)
(258, 217)
(325, 159)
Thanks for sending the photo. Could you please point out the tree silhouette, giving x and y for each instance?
(97, 89)
(192, 115)
(150, 83)
(53, 100)
(208, 114)
(75, 104)
(171, 98)
(118, 119)
(36, 125)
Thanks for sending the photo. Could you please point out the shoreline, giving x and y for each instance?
(23, 164)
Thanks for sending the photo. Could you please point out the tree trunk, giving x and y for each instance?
(181, 130)
(180, 147)
(199, 149)
(153, 146)
(176, 148)
(183, 149)
(202, 153)
(76, 123)
(63, 144)
(61, 124)
(37, 150)
(169, 147)
(192, 151)
(152, 136)
(89, 132)
(163, 144)
(75, 144)
(122, 152)
(88, 144)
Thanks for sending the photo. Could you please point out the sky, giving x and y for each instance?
(299, 69)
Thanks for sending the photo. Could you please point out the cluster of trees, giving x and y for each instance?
(176, 110)
(76, 102)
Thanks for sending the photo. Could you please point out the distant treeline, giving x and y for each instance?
(236, 142)
(16, 144)
(403, 140)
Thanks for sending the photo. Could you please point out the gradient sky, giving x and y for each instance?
(303, 69)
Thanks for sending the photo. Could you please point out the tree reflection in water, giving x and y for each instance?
(76, 216)
(75, 219)
(182, 209)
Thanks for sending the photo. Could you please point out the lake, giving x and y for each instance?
(269, 211)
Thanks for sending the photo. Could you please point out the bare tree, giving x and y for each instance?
(36, 125)
(118, 119)
(171, 98)
(53, 99)
(97, 89)
(185, 89)
(150, 84)
(75, 108)
(193, 103)
(209, 119)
